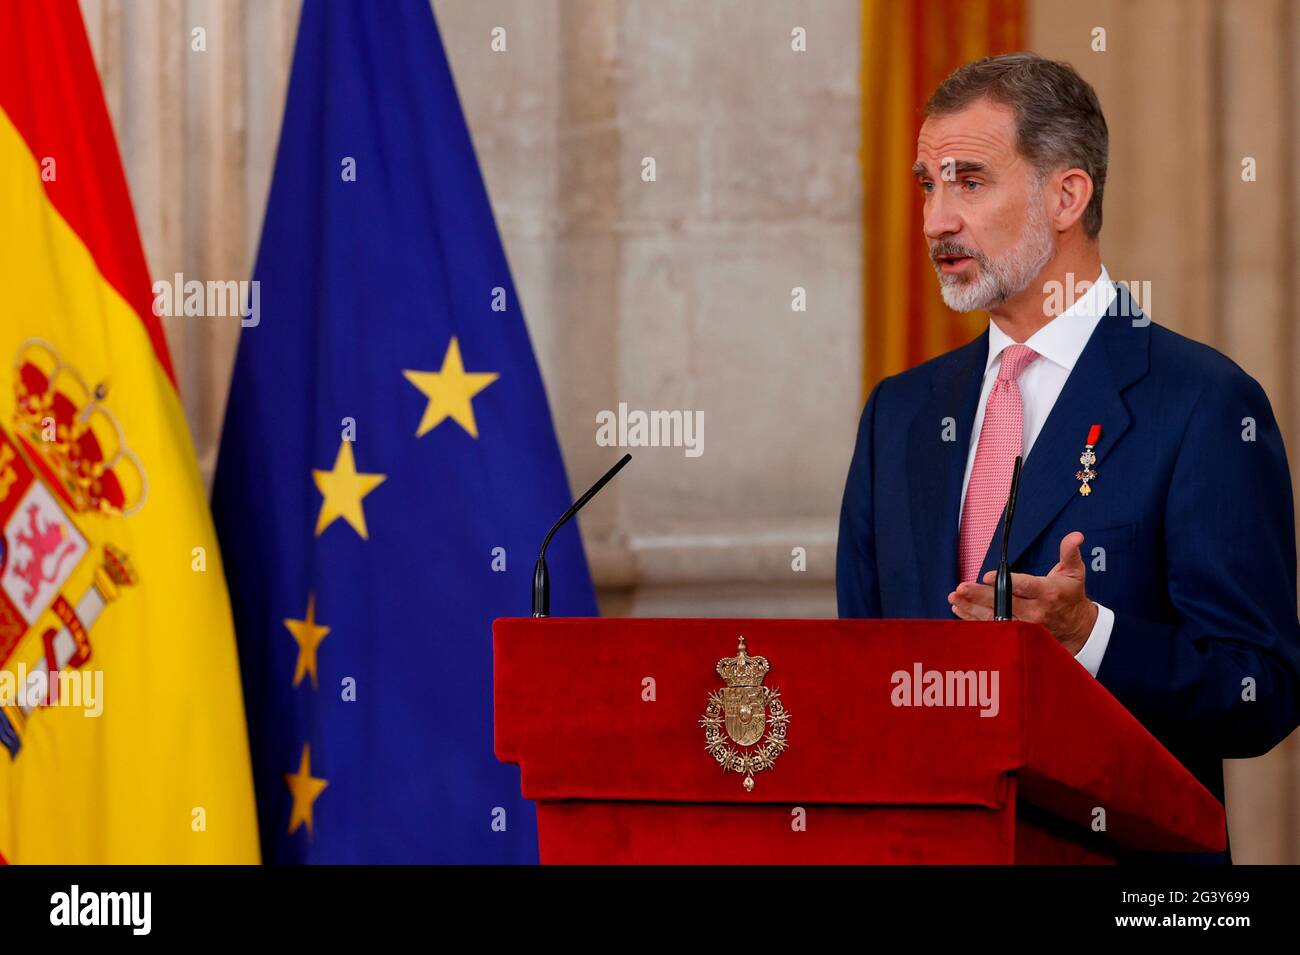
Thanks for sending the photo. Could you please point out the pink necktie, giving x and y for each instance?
(1001, 436)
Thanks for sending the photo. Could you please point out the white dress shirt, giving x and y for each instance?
(1059, 342)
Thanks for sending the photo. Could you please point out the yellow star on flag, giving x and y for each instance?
(450, 392)
(305, 788)
(343, 488)
(309, 636)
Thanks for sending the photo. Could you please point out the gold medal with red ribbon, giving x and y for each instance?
(1087, 474)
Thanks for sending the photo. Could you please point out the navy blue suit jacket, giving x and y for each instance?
(1196, 521)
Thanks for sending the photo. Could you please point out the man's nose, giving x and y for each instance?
(940, 219)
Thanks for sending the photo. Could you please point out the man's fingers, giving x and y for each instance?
(972, 601)
(1071, 564)
(974, 593)
(972, 609)
(1022, 585)
(1028, 586)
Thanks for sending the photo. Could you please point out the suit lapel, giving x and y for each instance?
(935, 468)
(1116, 355)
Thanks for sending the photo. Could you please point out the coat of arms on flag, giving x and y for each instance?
(66, 472)
(145, 757)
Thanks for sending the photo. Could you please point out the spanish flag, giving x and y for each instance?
(122, 734)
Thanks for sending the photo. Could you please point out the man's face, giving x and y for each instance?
(984, 219)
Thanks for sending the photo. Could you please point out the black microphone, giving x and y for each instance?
(541, 576)
(1002, 587)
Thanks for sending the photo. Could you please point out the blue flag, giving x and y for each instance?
(388, 466)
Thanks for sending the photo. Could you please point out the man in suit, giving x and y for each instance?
(1182, 600)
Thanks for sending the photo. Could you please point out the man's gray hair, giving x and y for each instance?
(1059, 123)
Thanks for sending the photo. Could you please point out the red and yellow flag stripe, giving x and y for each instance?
(161, 773)
(50, 92)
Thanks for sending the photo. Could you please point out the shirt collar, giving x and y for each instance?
(1062, 340)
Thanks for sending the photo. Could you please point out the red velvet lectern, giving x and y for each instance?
(906, 742)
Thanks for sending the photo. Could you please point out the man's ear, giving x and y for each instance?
(1071, 191)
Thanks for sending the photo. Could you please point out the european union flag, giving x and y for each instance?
(388, 466)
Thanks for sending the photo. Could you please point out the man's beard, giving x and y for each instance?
(996, 281)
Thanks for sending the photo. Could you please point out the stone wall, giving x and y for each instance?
(676, 294)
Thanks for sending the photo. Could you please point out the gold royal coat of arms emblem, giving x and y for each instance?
(751, 716)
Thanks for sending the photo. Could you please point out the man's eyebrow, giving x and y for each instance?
(960, 167)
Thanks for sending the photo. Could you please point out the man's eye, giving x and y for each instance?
(927, 187)
(970, 185)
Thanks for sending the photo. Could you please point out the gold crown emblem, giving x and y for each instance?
(74, 438)
(742, 669)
